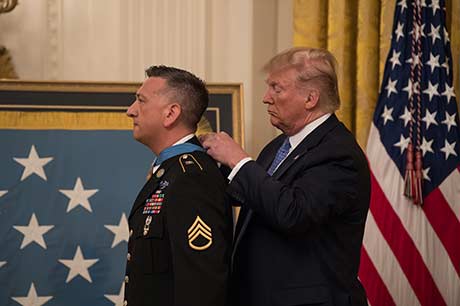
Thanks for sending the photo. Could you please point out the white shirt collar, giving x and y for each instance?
(182, 140)
(296, 139)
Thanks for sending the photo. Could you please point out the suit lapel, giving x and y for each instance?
(268, 154)
(312, 140)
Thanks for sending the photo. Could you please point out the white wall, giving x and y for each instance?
(115, 40)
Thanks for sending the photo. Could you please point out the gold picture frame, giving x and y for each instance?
(101, 105)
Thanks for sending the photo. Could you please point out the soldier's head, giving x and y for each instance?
(170, 101)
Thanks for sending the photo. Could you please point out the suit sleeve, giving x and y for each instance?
(322, 188)
(199, 226)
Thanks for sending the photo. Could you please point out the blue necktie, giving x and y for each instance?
(280, 156)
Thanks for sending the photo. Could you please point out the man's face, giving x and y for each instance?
(148, 110)
(285, 102)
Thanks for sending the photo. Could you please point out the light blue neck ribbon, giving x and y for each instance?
(178, 149)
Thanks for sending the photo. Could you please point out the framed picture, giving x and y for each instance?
(224, 113)
(70, 172)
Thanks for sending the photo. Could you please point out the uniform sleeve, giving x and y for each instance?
(200, 228)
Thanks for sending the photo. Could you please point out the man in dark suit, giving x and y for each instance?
(304, 201)
(180, 225)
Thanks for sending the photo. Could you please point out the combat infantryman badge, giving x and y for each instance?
(199, 229)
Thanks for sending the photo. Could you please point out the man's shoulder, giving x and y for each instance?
(195, 163)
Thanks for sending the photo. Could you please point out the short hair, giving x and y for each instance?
(189, 91)
(318, 65)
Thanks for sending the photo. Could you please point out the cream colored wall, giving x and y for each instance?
(114, 40)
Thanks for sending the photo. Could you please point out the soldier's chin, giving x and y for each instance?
(137, 136)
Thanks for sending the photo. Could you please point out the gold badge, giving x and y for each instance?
(199, 228)
(160, 173)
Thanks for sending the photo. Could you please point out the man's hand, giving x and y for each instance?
(223, 148)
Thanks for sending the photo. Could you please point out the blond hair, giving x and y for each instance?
(312, 65)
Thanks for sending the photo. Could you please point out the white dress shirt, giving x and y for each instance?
(294, 140)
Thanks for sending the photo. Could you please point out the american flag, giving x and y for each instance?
(411, 253)
(64, 200)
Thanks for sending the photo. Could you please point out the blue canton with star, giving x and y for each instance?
(64, 201)
(439, 115)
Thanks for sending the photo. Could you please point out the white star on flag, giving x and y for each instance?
(78, 266)
(407, 116)
(446, 36)
(446, 66)
(435, 6)
(121, 231)
(79, 196)
(449, 121)
(433, 62)
(429, 119)
(2, 263)
(32, 299)
(387, 114)
(33, 164)
(425, 174)
(449, 149)
(434, 34)
(403, 143)
(432, 90)
(449, 92)
(399, 31)
(411, 88)
(419, 31)
(403, 5)
(426, 146)
(414, 58)
(3, 192)
(33, 232)
(395, 59)
(391, 87)
(117, 299)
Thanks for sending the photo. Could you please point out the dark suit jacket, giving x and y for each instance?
(299, 234)
(172, 261)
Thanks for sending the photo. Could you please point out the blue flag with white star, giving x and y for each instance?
(411, 253)
(64, 200)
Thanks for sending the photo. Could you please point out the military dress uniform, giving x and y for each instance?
(180, 231)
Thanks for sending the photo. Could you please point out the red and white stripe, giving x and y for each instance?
(411, 254)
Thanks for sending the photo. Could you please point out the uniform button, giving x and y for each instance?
(125, 303)
(126, 279)
(130, 232)
(128, 257)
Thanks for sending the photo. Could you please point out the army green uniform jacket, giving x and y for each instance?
(180, 236)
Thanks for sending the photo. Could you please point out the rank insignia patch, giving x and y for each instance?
(199, 235)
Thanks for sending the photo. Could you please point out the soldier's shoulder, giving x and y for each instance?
(195, 163)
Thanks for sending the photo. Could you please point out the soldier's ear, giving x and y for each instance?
(172, 114)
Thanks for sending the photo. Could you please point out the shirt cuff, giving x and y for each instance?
(238, 167)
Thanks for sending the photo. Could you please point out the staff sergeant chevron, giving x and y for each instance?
(199, 229)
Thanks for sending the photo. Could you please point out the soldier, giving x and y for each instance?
(180, 226)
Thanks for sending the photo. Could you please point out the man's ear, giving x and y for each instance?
(312, 99)
(172, 114)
